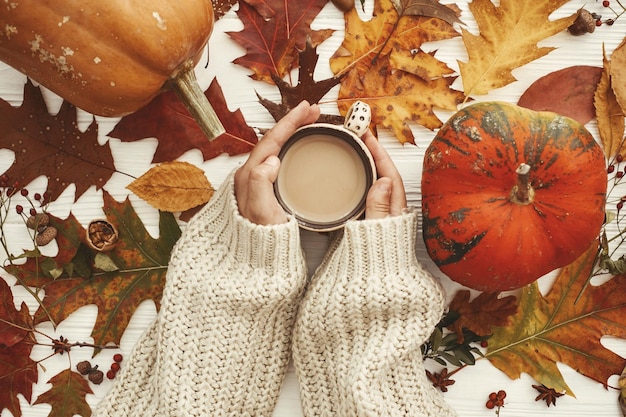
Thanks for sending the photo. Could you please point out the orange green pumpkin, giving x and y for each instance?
(510, 194)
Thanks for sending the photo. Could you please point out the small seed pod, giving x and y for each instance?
(46, 236)
(38, 221)
(84, 367)
(96, 376)
(585, 23)
(102, 236)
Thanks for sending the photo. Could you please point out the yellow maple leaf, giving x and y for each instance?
(508, 39)
(173, 186)
(382, 64)
(560, 327)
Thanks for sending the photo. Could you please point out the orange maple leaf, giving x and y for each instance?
(560, 327)
(383, 65)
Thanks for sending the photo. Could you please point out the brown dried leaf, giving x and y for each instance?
(482, 313)
(173, 186)
(428, 8)
(609, 114)
(568, 91)
(67, 395)
(618, 74)
(419, 63)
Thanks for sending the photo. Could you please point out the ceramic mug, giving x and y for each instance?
(326, 172)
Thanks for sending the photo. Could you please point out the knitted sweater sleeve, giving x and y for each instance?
(221, 341)
(366, 313)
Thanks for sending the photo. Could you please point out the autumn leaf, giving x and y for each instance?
(167, 119)
(173, 186)
(569, 92)
(306, 88)
(618, 73)
(52, 145)
(141, 262)
(480, 315)
(18, 372)
(429, 8)
(609, 113)
(397, 95)
(507, 39)
(67, 395)
(558, 328)
(273, 33)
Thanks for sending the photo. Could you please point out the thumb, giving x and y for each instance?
(378, 203)
(261, 205)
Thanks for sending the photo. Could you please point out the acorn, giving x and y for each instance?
(84, 367)
(344, 5)
(585, 23)
(45, 236)
(96, 376)
(38, 221)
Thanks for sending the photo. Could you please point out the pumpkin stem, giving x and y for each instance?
(522, 192)
(186, 86)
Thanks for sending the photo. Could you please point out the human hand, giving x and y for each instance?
(254, 181)
(386, 197)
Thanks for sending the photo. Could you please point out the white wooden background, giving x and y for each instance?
(473, 384)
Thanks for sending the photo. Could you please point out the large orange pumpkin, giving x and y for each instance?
(111, 57)
(510, 194)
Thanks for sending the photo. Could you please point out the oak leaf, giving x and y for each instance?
(396, 94)
(167, 119)
(480, 315)
(18, 372)
(273, 33)
(568, 91)
(52, 145)
(67, 396)
(618, 73)
(609, 113)
(141, 262)
(507, 39)
(173, 186)
(564, 326)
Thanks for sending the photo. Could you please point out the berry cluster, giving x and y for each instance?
(616, 13)
(618, 173)
(115, 366)
(496, 400)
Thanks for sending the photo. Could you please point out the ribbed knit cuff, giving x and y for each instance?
(273, 248)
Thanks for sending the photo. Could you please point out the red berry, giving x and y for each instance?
(19, 209)
(493, 396)
(620, 205)
(110, 374)
(619, 174)
(118, 357)
(33, 212)
(484, 343)
(606, 3)
(490, 404)
(37, 196)
(115, 366)
(610, 168)
(501, 394)
(24, 192)
(598, 22)
(619, 157)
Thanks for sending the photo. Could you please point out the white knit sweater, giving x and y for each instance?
(221, 341)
